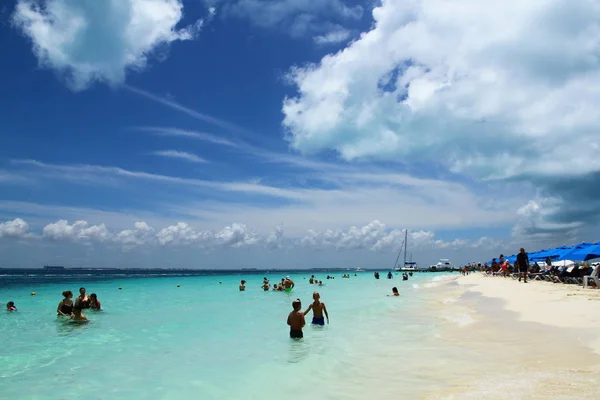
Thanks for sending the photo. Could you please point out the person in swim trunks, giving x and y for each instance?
(288, 284)
(318, 308)
(296, 320)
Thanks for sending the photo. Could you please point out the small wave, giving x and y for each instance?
(460, 319)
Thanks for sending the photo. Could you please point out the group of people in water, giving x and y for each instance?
(74, 309)
(391, 276)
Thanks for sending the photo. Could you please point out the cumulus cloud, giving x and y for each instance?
(79, 231)
(17, 228)
(375, 236)
(497, 91)
(182, 155)
(89, 41)
(297, 17)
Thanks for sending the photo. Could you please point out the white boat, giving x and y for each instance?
(359, 269)
(443, 265)
(407, 266)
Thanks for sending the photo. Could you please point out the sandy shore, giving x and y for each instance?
(553, 304)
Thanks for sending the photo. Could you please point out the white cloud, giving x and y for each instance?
(333, 37)
(180, 155)
(91, 41)
(504, 91)
(16, 228)
(374, 236)
(79, 231)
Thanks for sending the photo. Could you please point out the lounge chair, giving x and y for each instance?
(593, 277)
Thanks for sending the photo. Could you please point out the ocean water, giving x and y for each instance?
(207, 340)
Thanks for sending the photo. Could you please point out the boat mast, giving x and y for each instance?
(405, 243)
(400, 252)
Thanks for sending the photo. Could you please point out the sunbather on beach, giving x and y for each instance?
(296, 320)
(318, 308)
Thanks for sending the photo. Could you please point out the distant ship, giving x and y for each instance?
(443, 265)
(359, 269)
(407, 266)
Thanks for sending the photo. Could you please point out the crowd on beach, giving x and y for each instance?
(522, 269)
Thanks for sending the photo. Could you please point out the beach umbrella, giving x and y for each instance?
(554, 254)
(582, 252)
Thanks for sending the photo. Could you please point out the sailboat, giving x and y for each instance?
(407, 265)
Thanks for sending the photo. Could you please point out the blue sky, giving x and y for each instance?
(223, 133)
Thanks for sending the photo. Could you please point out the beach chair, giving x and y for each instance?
(593, 276)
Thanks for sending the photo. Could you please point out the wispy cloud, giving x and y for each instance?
(182, 155)
(186, 133)
(333, 37)
(226, 125)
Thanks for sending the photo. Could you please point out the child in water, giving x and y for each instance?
(10, 306)
(296, 320)
(318, 308)
(394, 292)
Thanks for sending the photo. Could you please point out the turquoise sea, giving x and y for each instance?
(206, 340)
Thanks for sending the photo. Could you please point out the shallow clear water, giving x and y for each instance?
(206, 340)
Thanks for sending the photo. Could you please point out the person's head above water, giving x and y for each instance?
(297, 304)
(316, 296)
(94, 297)
(395, 290)
(82, 291)
(243, 282)
(10, 306)
(67, 294)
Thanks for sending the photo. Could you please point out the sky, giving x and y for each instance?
(295, 133)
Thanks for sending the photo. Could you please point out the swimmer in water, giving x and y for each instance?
(289, 284)
(65, 307)
(266, 286)
(242, 285)
(94, 303)
(10, 306)
(312, 279)
(318, 308)
(296, 320)
(394, 292)
(77, 316)
(83, 300)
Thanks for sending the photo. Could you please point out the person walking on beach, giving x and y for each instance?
(523, 264)
(318, 308)
(296, 320)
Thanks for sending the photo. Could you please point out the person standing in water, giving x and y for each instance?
(65, 307)
(242, 285)
(318, 308)
(82, 301)
(10, 306)
(296, 320)
(266, 286)
(95, 303)
(288, 284)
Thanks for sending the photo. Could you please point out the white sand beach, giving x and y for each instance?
(553, 304)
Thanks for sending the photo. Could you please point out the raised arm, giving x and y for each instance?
(308, 309)
(325, 311)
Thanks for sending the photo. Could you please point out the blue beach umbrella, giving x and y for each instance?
(582, 252)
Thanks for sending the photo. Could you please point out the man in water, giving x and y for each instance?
(390, 276)
(318, 309)
(312, 279)
(288, 284)
(296, 320)
(266, 285)
(523, 263)
(242, 285)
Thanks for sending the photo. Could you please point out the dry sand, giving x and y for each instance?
(553, 304)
